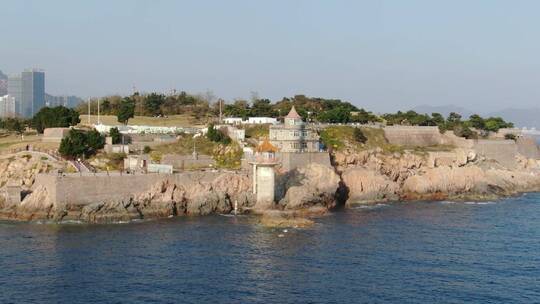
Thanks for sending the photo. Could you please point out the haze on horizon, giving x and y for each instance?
(381, 55)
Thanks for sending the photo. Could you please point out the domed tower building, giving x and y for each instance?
(294, 135)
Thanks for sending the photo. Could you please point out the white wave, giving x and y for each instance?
(71, 222)
(370, 207)
(480, 203)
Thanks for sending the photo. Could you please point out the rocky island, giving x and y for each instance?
(361, 164)
(355, 177)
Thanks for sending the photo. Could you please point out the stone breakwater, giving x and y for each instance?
(357, 177)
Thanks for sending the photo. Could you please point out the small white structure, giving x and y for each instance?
(136, 162)
(233, 132)
(251, 120)
(262, 120)
(264, 175)
(233, 120)
(133, 129)
(159, 168)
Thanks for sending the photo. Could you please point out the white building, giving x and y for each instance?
(294, 135)
(233, 120)
(8, 107)
(262, 120)
(250, 120)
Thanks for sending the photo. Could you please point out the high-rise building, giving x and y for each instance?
(7, 106)
(3, 84)
(66, 101)
(28, 89)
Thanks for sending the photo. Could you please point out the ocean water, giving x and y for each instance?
(424, 252)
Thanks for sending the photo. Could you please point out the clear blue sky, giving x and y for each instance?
(382, 55)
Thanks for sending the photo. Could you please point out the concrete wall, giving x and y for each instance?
(449, 138)
(413, 135)
(528, 147)
(81, 190)
(181, 162)
(503, 151)
(291, 161)
(502, 132)
(54, 134)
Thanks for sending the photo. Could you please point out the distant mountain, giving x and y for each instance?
(443, 110)
(3, 84)
(528, 117)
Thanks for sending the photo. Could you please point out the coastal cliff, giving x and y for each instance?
(375, 176)
(358, 175)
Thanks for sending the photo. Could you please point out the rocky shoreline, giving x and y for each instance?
(356, 177)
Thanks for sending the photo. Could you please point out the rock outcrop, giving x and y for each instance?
(373, 176)
(313, 185)
(367, 186)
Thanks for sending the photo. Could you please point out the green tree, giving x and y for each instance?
(477, 122)
(95, 141)
(57, 117)
(216, 135)
(114, 133)
(73, 145)
(462, 130)
(153, 103)
(262, 108)
(335, 115)
(16, 125)
(80, 143)
(126, 110)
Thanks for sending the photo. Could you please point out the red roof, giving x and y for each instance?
(293, 114)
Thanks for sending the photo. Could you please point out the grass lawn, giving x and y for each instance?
(12, 141)
(170, 121)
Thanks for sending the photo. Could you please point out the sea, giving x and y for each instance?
(414, 252)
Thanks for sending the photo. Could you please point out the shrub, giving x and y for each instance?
(464, 131)
(218, 136)
(359, 136)
(510, 136)
(147, 149)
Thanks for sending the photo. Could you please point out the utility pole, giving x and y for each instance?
(88, 111)
(220, 111)
(98, 120)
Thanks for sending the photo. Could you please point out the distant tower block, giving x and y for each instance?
(264, 175)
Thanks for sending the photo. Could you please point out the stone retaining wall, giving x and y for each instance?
(86, 189)
(182, 162)
(527, 146)
(291, 161)
(419, 136)
(503, 151)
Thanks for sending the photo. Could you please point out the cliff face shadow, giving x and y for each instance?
(285, 181)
